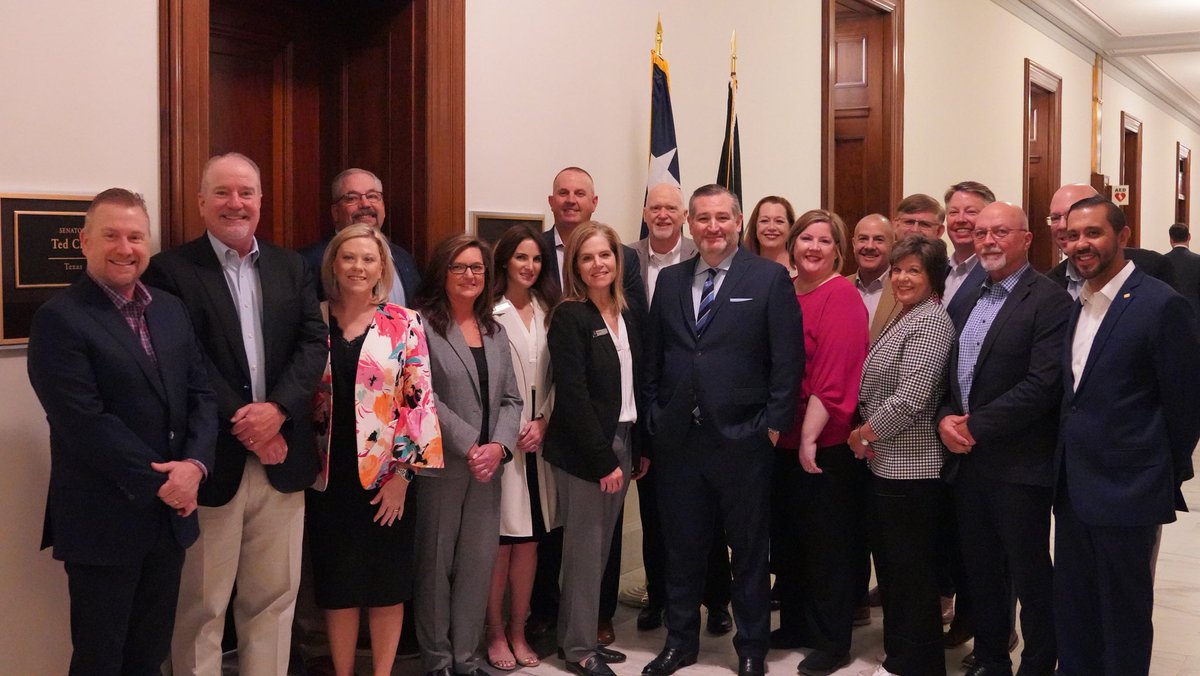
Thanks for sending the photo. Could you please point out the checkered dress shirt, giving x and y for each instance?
(903, 381)
(134, 312)
(970, 341)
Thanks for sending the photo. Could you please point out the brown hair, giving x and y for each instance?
(431, 299)
(974, 187)
(919, 202)
(575, 288)
(119, 197)
(383, 287)
(544, 288)
(751, 238)
(836, 226)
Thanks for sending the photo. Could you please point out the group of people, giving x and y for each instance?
(490, 415)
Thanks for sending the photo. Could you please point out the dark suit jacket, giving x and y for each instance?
(112, 412)
(742, 373)
(631, 281)
(967, 293)
(587, 390)
(1187, 274)
(294, 341)
(406, 267)
(1150, 262)
(1017, 386)
(1129, 429)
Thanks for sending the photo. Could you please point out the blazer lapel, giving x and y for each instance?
(497, 354)
(106, 315)
(272, 284)
(1125, 295)
(733, 276)
(458, 343)
(686, 302)
(212, 278)
(1019, 293)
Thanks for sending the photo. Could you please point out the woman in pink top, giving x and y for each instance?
(819, 485)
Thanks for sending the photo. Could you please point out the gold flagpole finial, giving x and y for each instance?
(658, 37)
(733, 54)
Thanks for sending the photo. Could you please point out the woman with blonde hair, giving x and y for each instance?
(377, 424)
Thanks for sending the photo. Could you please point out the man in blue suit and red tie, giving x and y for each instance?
(133, 425)
(724, 353)
(1129, 424)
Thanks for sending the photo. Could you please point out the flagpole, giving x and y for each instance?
(658, 38)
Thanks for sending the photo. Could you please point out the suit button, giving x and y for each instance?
(171, 435)
(699, 354)
(1073, 409)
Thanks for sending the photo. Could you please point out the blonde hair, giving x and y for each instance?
(574, 286)
(383, 287)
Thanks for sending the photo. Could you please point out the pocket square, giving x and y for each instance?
(740, 300)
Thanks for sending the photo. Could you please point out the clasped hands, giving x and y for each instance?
(484, 461)
(955, 435)
(183, 482)
(257, 426)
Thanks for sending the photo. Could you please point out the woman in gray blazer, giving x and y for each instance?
(902, 384)
(479, 408)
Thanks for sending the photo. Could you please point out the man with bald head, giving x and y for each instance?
(1064, 274)
(872, 244)
(254, 308)
(1000, 422)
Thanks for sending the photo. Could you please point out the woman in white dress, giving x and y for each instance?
(525, 295)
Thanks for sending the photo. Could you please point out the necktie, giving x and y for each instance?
(707, 295)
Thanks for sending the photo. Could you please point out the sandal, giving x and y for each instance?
(499, 655)
(525, 655)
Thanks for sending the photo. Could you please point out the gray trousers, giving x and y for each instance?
(589, 517)
(457, 536)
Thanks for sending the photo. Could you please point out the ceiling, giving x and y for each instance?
(1156, 42)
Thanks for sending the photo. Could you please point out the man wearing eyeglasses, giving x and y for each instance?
(357, 196)
(1000, 422)
(919, 214)
(1064, 274)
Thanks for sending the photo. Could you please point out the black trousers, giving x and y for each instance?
(701, 482)
(818, 545)
(1103, 594)
(654, 551)
(122, 616)
(953, 576)
(905, 514)
(1004, 529)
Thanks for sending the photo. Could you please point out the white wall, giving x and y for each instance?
(553, 84)
(78, 114)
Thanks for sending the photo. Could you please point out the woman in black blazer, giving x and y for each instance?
(595, 346)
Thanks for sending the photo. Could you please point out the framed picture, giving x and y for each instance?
(490, 224)
(39, 254)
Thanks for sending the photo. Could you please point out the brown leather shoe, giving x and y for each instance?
(947, 609)
(604, 632)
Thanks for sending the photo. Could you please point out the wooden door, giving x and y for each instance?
(308, 88)
(1183, 183)
(862, 149)
(1042, 159)
(1131, 174)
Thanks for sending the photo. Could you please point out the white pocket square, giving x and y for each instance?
(740, 300)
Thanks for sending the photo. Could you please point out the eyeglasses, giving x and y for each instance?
(917, 223)
(1000, 234)
(373, 197)
(461, 268)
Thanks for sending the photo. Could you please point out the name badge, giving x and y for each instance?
(599, 332)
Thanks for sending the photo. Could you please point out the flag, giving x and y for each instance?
(664, 151)
(729, 173)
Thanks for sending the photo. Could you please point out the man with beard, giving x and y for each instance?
(1000, 422)
(1129, 424)
(964, 201)
(873, 239)
(357, 196)
(1064, 274)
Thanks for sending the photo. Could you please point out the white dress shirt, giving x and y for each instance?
(958, 274)
(620, 341)
(871, 293)
(560, 250)
(702, 269)
(658, 261)
(241, 275)
(1095, 306)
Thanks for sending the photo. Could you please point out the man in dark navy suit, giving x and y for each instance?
(1000, 421)
(964, 202)
(724, 354)
(1186, 265)
(1129, 424)
(357, 196)
(133, 423)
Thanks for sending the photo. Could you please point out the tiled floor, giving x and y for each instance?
(1176, 619)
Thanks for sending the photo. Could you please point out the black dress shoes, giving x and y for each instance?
(822, 663)
(607, 655)
(668, 662)
(651, 617)
(782, 639)
(719, 621)
(592, 666)
(958, 634)
(989, 670)
(751, 666)
(444, 671)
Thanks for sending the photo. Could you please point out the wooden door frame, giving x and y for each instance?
(184, 115)
(1183, 181)
(1037, 75)
(893, 91)
(1131, 124)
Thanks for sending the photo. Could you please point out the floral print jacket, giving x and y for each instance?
(397, 425)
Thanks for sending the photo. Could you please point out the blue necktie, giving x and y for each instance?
(707, 295)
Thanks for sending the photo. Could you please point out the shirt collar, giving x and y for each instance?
(1109, 291)
(654, 255)
(558, 240)
(223, 251)
(1072, 273)
(1009, 282)
(723, 266)
(141, 294)
(965, 265)
(875, 285)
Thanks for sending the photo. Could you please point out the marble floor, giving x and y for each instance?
(1176, 619)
